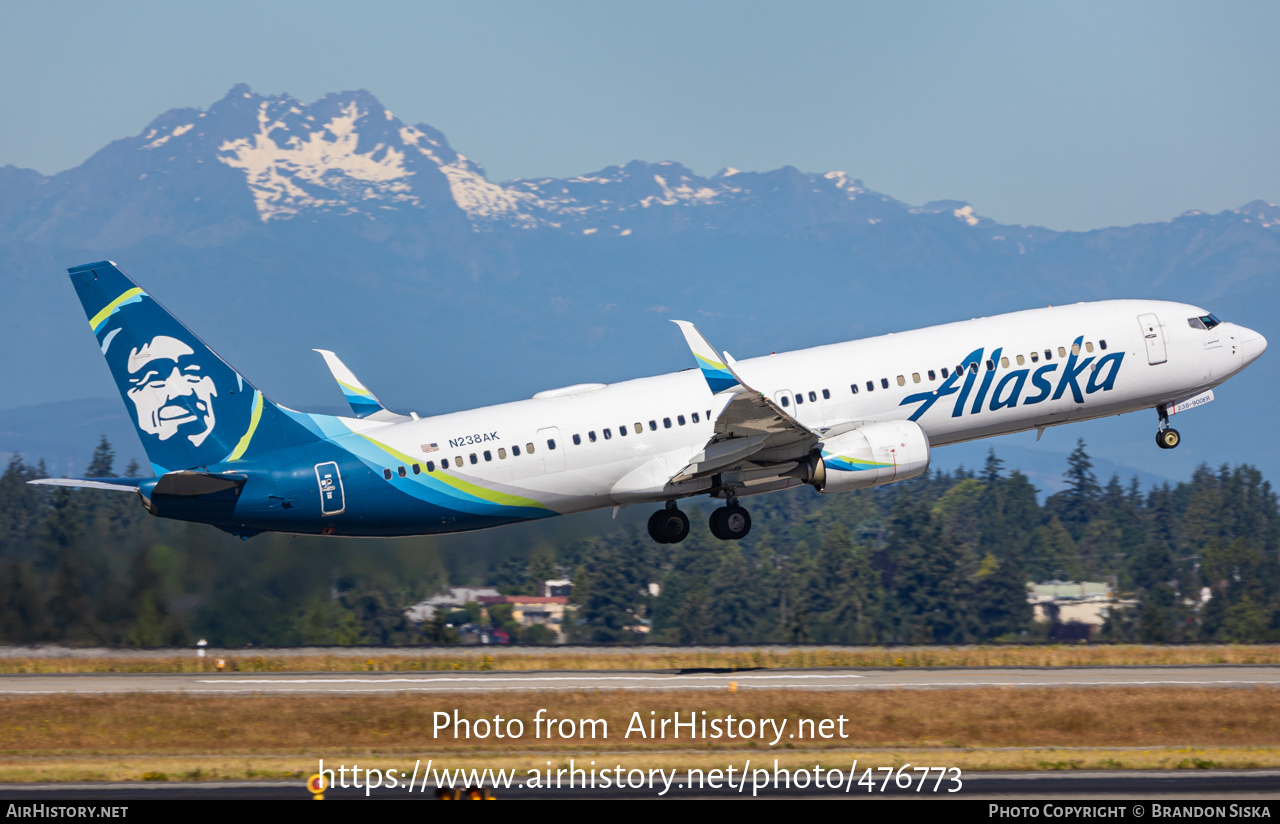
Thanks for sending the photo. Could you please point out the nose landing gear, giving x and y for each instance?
(1166, 437)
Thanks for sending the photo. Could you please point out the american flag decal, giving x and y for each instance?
(430, 447)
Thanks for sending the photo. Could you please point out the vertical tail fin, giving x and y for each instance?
(190, 407)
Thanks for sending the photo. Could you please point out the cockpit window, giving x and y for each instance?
(1204, 322)
(1196, 323)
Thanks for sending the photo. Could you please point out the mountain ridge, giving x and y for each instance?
(272, 227)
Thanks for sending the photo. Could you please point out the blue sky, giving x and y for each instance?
(1069, 115)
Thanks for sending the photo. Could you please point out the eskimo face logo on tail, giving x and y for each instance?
(170, 391)
(190, 407)
(972, 381)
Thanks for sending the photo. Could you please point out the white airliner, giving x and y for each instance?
(839, 417)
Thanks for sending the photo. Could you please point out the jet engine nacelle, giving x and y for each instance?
(872, 455)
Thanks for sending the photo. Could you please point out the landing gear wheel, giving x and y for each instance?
(1168, 438)
(730, 523)
(668, 526)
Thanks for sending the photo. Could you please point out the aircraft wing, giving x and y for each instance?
(363, 402)
(750, 428)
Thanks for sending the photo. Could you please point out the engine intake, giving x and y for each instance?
(872, 455)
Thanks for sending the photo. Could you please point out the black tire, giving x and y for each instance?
(716, 522)
(1169, 439)
(668, 526)
(735, 523)
(655, 526)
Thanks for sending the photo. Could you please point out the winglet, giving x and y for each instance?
(363, 402)
(718, 376)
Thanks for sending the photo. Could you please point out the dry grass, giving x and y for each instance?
(222, 767)
(69, 725)
(515, 658)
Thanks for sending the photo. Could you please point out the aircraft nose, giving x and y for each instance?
(1252, 345)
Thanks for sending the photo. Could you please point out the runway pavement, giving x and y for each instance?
(1130, 785)
(1224, 675)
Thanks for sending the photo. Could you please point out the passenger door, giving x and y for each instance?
(1153, 334)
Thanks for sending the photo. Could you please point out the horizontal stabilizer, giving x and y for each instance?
(116, 484)
(712, 365)
(363, 402)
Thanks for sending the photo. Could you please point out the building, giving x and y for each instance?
(451, 599)
(1075, 609)
(527, 610)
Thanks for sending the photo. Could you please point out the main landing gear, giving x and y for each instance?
(671, 526)
(730, 523)
(1166, 437)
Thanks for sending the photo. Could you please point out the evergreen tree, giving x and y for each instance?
(1077, 505)
(103, 463)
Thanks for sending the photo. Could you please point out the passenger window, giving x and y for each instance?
(1075, 349)
(854, 387)
(915, 377)
(386, 473)
(945, 374)
(1062, 352)
(401, 472)
(444, 463)
(933, 376)
(1102, 344)
(884, 382)
(577, 440)
(1048, 354)
(529, 447)
(1004, 363)
(871, 385)
(813, 397)
(826, 396)
(431, 466)
(695, 417)
(666, 423)
(457, 461)
(991, 365)
(1035, 357)
(653, 426)
(1021, 360)
(799, 399)
(488, 456)
(417, 470)
(515, 451)
(591, 436)
(474, 460)
(680, 419)
(973, 367)
(622, 431)
(639, 428)
(551, 443)
(1088, 346)
(607, 433)
(785, 401)
(902, 381)
(502, 452)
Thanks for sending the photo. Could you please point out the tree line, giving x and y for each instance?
(942, 559)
